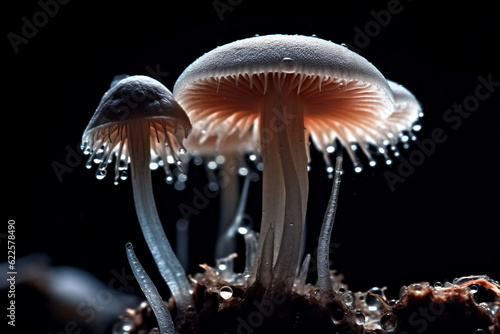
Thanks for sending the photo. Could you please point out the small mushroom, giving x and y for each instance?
(287, 88)
(138, 122)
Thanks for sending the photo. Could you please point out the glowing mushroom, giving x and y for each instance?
(138, 122)
(287, 87)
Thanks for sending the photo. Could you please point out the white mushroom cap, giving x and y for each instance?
(344, 96)
(132, 100)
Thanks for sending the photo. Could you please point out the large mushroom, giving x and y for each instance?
(138, 122)
(287, 87)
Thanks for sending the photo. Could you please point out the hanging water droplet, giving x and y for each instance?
(479, 331)
(100, 174)
(359, 317)
(330, 149)
(212, 165)
(169, 179)
(153, 165)
(182, 150)
(358, 169)
(88, 165)
(288, 65)
(123, 175)
(252, 157)
(213, 186)
(243, 171)
(226, 292)
(220, 159)
(438, 285)
(389, 321)
(246, 224)
(372, 163)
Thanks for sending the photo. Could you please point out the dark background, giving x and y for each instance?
(442, 222)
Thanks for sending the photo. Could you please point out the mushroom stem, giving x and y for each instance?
(159, 308)
(324, 280)
(171, 270)
(285, 182)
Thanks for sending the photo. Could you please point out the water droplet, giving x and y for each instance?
(473, 288)
(123, 175)
(226, 292)
(338, 315)
(179, 185)
(389, 321)
(169, 179)
(360, 317)
(402, 291)
(348, 298)
(212, 165)
(438, 285)
(479, 331)
(372, 163)
(344, 45)
(122, 326)
(243, 171)
(358, 169)
(329, 169)
(288, 65)
(182, 150)
(388, 162)
(246, 224)
(100, 174)
(330, 149)
(153, 165)
(220, 159)
(213, 186)
(371, 301)
(252, 157)
(197, 160)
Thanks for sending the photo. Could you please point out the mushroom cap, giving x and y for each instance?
(135, 100)
(343, 95)
(138, 97)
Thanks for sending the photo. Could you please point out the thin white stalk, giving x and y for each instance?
(168, 264)
(165, 323)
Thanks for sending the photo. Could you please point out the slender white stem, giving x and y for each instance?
(324, 281)
(285, 183)
(168, 264)
(165, 323)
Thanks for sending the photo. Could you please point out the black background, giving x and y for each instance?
(440, 223)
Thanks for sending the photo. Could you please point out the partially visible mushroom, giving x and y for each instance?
(138, 122)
